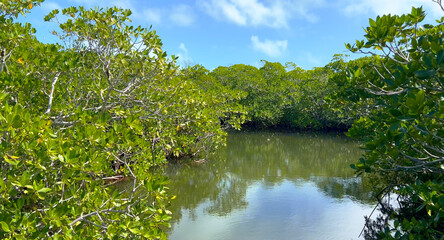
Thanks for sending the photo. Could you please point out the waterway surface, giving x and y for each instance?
(267, 185)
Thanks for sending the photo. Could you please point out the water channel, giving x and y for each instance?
(269, 185)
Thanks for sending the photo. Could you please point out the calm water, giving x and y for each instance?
(271, 186)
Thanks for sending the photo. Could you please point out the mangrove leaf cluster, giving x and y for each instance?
(403, 131)
(108, 105)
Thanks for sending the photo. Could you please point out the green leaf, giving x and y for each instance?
(134, 230)
(5, 226)
(16, 122)
(394, 126)
(420, 96)
(424, 74)
(428, 59)
(436, 47)
(11, 161)
(440, 57)
(20, 203)
(43, 190)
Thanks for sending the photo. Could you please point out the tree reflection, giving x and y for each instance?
(270, 158)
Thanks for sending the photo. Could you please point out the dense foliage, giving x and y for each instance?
(403, 130)
(283, 96)
(108, 105)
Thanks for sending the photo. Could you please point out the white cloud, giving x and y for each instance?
(271, 48)
(183, 48)
(179, 15)
(230, 11)
(184, 59)
(274, 14)
(380, 7)
(152, 15)
(182, 15)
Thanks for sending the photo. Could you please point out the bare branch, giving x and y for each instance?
(51, 94)
(439, 2)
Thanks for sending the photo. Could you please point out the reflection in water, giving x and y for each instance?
(271, 186)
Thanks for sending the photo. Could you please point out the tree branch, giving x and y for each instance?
(51, 94)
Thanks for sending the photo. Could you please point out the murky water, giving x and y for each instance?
(272, 186)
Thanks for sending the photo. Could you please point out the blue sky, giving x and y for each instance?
(226, 32)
